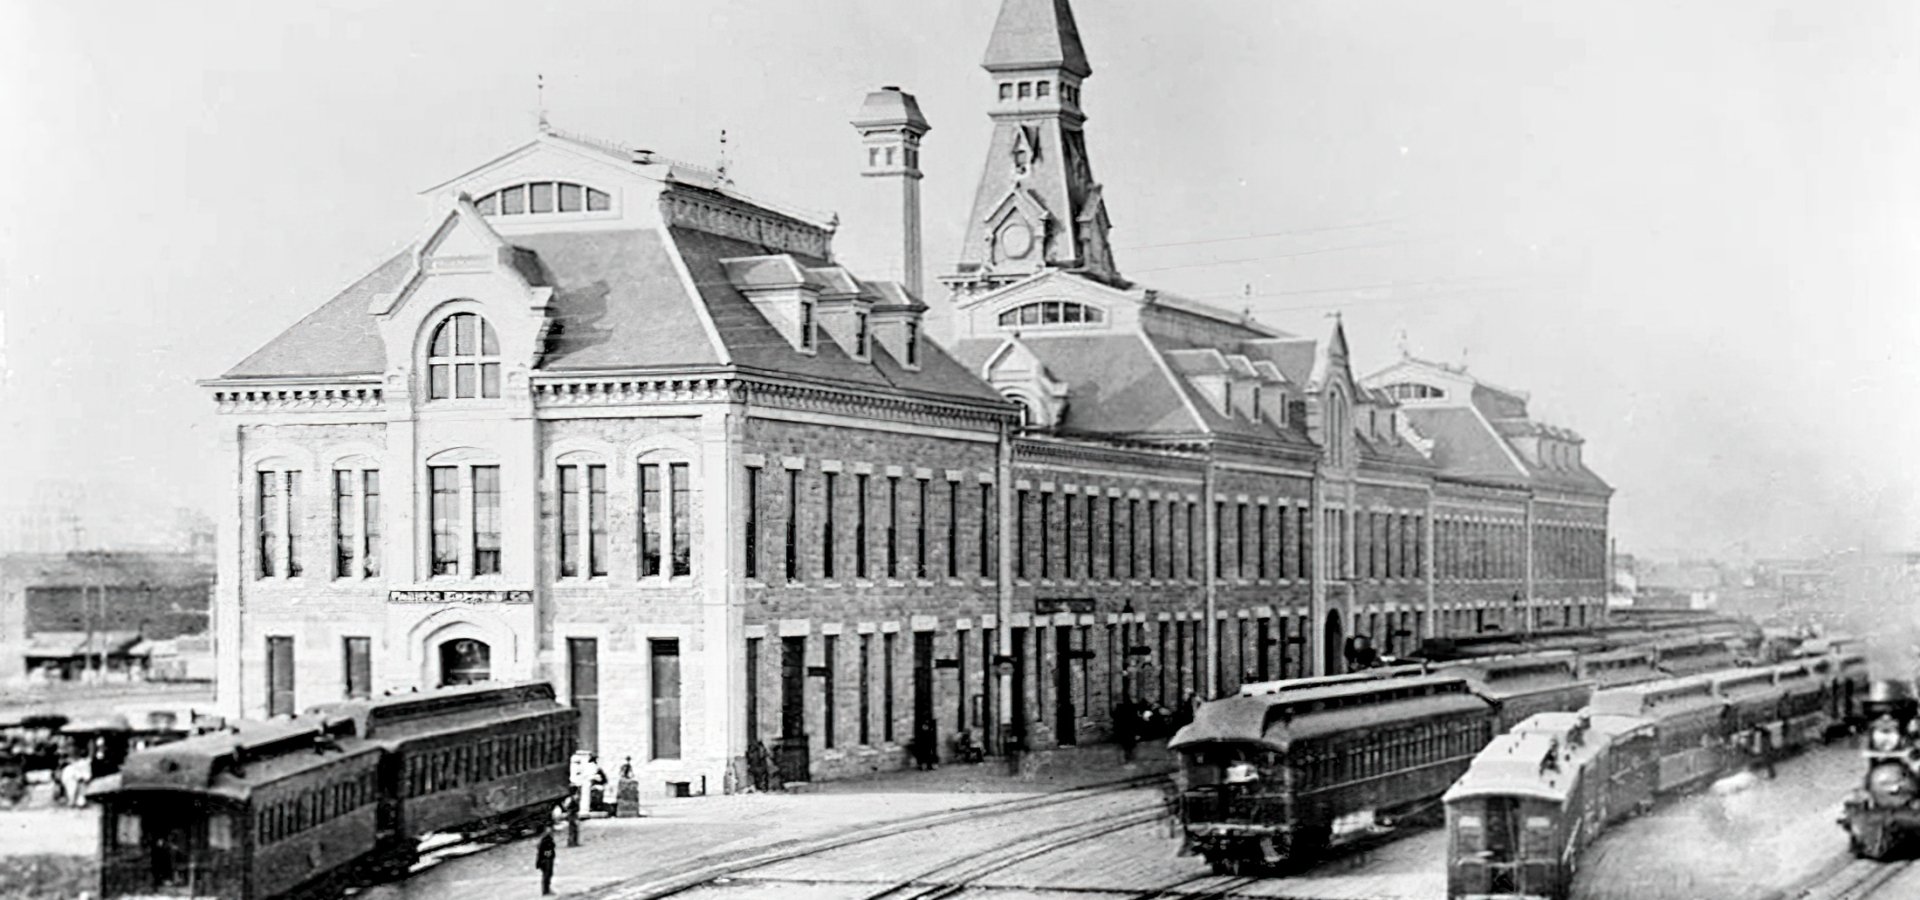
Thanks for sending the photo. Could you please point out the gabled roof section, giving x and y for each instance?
(338, 339)
(1465, 446)
(619, 303)
(1033, 34)
(1293, 356)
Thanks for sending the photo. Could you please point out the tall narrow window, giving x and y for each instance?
(357, 666)
(920, 532)
(649, 514)
(793, 524)
(596, 520)
(889, 642)
(986, 531)
(866, 689)
(370, 523)
(1240, 539)
(830, 668)
(1092, 508)
(486, 520)
(666, 698)
(280, 700)
(463, 360)
(1020, 533)
(913, 344)
(953, 530)
(1261, 545)
(572, 498)
(1192, 538)
(1153, 539)
(753, 523)
(343, 524)
(682, 548)
(1219, 538)
(294, 508)
(444, 483)
(1303, 535)
(1133, 538)
(828, 481)
(893, 526)
(1113, 537)
(861, 489)
(1046, 534)
(1282, 547)
(1066, 537)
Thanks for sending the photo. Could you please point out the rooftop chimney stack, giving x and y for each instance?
(891, 127)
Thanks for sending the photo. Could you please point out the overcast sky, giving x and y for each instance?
(1687, 230)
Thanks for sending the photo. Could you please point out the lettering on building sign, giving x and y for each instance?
(1046, 606)
(467, 597)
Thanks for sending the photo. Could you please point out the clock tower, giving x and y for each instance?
(1037, 206)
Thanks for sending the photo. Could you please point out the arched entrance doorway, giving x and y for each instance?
(465, 661)
(1332, 643)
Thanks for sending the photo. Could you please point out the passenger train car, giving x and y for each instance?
(1267, 776)
(336, 797)
(1533, 799)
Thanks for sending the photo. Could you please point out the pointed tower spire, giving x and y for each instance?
(1032, 34)
(1037, 206)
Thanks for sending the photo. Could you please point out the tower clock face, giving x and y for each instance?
(1016, 240)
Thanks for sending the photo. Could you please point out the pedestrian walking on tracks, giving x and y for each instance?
(1126, 730)
(543, 860)
(1760, 750)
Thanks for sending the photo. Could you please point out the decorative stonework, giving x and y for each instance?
(714, 215)
(297, 399)
(442, 598)
(630, 391)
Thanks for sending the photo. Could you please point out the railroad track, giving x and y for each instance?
(948, 879)
(703, 872)
(1857, 880)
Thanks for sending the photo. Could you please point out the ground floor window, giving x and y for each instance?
(665, 654)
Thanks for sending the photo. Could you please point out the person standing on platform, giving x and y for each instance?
(926, 745)
(759, 767)
(1126, 730)
(543, 860)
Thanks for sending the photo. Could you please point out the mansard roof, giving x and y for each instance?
(1032, 34)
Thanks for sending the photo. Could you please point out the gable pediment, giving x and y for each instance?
(461, 244)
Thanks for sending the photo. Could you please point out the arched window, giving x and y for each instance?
(543, 197)
(463, 360)
(1051, 312)
(1026, 410)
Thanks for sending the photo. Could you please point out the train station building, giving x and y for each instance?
(613, 422)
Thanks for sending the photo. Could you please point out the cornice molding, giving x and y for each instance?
(295, 398)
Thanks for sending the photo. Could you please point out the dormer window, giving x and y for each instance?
(806, 326)
(913, 344)
(1408, 390)
(543, 198)
(1051, 312)
(463, 359)
(862, 336)
(1253, 412)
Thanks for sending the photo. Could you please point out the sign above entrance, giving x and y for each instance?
(1046, 606)
(469, 597)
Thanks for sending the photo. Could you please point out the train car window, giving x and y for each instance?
(219, 832)
(126, 830)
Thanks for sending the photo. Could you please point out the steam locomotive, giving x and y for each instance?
(339, 796)
(1884, 811)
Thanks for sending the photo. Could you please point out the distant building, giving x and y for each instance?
(46, 596)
